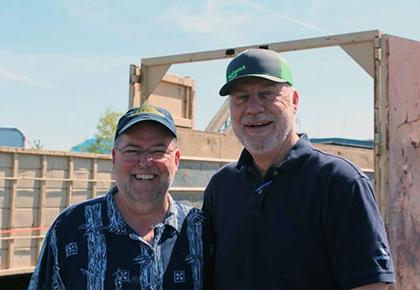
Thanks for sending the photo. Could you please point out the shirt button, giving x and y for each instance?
(275, 172)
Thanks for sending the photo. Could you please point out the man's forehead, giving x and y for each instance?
(243, 83)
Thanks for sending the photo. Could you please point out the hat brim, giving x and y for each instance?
(225, 90)
(150, 119)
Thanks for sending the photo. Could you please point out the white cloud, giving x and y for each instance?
(95, 14)
(211, 20)
(49, 64)
(222, 19)
(19, 77)
(267, 10)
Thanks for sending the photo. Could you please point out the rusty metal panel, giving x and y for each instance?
(404, 159)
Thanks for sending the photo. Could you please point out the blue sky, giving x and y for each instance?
(63, 62)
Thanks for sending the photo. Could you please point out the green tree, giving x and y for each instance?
(36, 144)
(104, 136)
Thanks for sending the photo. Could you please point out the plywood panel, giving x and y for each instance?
(55, 197)
(55, 173)
(27, 198)
(81, 184)
(24, 243)
(51, 214)
(25, 217)
(28, 161)
(23, 257)
(104, 166)
(5, 161)
(57, 163)
(80, 195)
(195, 173)
(82, 164)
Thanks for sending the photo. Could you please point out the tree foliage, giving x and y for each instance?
(105, 130)
(37, 144)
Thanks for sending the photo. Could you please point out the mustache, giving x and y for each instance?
(261, 118)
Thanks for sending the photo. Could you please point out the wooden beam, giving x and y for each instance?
(12, 204)
(70, 168)
(294, 45)
(41, 206)
(94, 177)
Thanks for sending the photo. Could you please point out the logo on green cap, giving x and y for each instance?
(235, 72)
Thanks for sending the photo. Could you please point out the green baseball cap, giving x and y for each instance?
(257, 62)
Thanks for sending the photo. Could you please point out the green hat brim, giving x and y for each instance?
(225, 90)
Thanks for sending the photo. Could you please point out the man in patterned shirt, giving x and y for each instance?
(136, 236)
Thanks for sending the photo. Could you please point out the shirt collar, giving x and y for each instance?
(299, 153)
(176, 214)
(174, 217)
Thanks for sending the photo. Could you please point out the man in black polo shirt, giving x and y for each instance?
(287, 215)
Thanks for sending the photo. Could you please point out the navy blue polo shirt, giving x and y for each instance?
(310, 223)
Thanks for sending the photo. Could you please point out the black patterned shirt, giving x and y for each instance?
(90, 246)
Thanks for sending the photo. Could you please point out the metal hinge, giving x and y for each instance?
(377, 44)
(135, 78)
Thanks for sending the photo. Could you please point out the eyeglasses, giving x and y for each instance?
(132, 154)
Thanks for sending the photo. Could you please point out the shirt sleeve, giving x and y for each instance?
(356, 237)
(47, 270)
(208, 236)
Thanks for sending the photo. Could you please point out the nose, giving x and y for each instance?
(254, 105)
(144, 157)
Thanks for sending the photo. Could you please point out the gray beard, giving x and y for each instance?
(263, 145)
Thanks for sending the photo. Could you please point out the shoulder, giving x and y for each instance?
(196, 215)
(80, 207)
(223, 180)
(336, 166)
(226, 172)
(76, 213)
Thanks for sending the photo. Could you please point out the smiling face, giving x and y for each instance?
(263, 114)
(146, 179)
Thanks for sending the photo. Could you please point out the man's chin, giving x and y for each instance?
(255, 148)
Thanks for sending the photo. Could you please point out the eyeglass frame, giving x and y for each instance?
(153, 153)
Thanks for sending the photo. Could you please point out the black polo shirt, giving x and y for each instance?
(310, 223)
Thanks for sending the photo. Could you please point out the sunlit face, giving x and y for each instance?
(263, 113)
(146, 178)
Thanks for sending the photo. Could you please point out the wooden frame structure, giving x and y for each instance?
(174, 93)
(34, 187)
